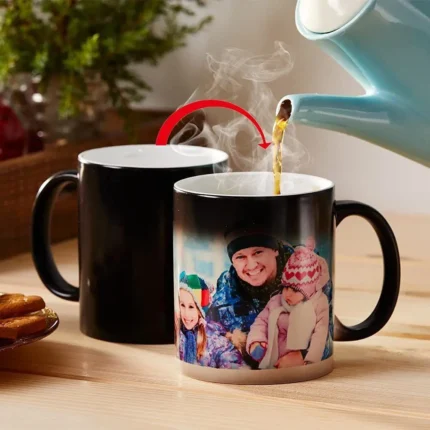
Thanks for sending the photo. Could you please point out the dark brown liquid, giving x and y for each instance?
(281, 123)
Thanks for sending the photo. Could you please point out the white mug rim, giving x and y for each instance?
(185, 186)
(155, 157)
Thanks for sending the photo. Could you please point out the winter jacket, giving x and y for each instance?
(232, 306)
(219, 352)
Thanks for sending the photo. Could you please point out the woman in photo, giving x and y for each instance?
(257, 260)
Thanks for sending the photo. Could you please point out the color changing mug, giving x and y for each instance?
(254, 274)
(125, 237)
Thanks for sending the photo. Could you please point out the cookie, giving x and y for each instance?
(13, 305)
(17, 327)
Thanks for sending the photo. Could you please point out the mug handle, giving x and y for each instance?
(391, 283)
(40, 235)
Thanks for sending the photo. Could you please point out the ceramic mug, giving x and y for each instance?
(125, 237)
(254, 273)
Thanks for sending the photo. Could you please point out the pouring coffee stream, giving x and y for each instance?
(385, 46)
(281, 124)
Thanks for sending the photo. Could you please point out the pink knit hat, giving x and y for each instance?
(305, 271)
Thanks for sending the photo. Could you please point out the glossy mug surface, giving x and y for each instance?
(125, 237)
(254, 277)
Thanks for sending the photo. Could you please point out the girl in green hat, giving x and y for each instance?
(200, 342)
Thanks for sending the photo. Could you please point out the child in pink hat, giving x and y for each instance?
(293, 327)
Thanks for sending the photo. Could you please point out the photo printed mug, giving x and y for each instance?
(254, 280)
(125, 237)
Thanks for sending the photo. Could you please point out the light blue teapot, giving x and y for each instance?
(385, 46)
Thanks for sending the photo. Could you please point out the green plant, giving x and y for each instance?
(72, 40)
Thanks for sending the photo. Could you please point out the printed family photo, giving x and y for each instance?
(268, 308)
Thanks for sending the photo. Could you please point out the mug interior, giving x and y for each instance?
(153, 156)
(251, 184)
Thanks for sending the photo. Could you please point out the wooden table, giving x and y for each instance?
(69, 381)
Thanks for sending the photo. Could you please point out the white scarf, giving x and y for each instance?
(301, 324)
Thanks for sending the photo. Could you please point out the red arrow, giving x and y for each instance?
(168, 126)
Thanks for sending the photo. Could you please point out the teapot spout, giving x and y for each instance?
(359, 116)
(384, 120)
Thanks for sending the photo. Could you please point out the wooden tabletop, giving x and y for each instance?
(70, 381)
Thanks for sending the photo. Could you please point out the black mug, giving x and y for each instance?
(125, 237)
(254, 275)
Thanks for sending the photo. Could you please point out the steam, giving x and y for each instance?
(244, 78)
